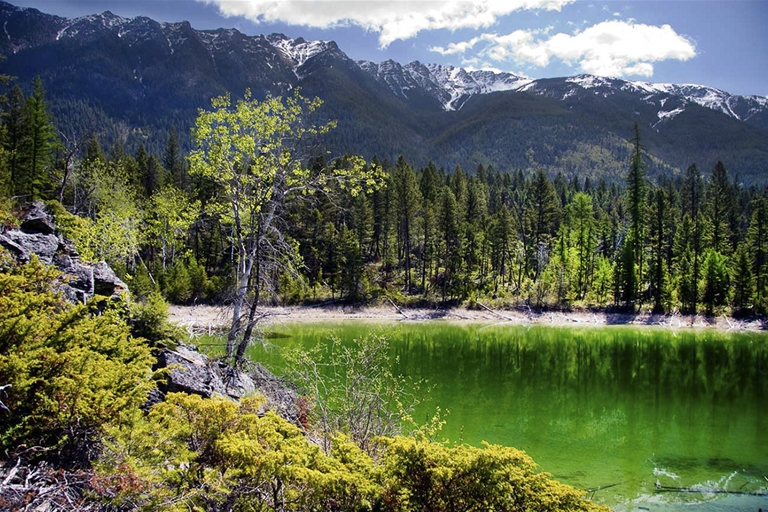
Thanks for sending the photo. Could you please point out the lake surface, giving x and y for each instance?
(618, 408)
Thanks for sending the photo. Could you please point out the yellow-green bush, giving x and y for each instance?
(192, 453)
(424, 475)
(200, 454)
(68, 371)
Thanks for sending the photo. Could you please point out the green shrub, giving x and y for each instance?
(140, 283)
(79, 230)
(69, 373)
(149, 320)
(192, 453)
(424, 475)
(177, 283)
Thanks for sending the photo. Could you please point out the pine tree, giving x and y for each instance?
(430, 187)
(742, 279)
(450, 226)
(407, 201)
(38, 154)
(659, 229)
(635, 198)
(719, 203)
(173, 161)
(541, 214)
(757, 240)
(715, 280)
(686, 269)
(501, 237)
(16, 139)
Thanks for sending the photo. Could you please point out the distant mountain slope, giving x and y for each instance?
(130, 80)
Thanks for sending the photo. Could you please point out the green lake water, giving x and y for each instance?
(626, 409)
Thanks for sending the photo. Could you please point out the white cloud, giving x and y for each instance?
(610, 48)
(455, 48)
(391, 19)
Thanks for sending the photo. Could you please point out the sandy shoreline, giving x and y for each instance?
(210, 318)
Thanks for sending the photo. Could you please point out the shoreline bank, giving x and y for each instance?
(213, 318)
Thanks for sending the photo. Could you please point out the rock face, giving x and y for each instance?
(37, 235)
(195, 373)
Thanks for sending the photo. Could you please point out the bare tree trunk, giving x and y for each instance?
(256, 285)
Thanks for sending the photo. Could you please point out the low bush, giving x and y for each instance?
(67, 371)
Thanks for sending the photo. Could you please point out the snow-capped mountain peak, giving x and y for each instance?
(738, 107)
(90, 23)
(450, 85)
(298, 51)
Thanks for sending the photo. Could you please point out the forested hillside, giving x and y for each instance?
(694, 242)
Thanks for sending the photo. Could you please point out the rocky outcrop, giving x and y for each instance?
(195, 373)
(37, 235)
(189, 370)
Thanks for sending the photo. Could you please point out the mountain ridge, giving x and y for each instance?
(122, 69)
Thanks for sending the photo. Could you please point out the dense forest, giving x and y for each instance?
(506, 237)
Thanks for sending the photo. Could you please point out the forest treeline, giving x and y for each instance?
(690, 242)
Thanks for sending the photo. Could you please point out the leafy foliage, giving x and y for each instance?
(254, 152)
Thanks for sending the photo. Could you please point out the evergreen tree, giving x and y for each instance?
(715, 280)
(450, 226)
(352, 269)
(757, 240)
(458, 184)
(382, 216)
(407, 201)
(635, 198)
(501, 237)
(173, 161)
(430, 187)
(719, 203)
(476, 222)
(686, 269)
(659, 243)
(430, 183)
(16, 139)
(692, 192)
(541, 216)
(38, 153)
(362, 223)
(742, 279)
(691, 203)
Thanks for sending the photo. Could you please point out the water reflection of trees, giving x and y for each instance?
(601, 386)
(709, 365)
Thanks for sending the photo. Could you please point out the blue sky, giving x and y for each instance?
(721, 43)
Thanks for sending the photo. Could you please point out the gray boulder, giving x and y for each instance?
(37, 234)
(44, 246)
(36, 218)
(195, 373)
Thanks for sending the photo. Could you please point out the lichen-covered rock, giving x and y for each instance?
(37, 235)
(36, 218)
